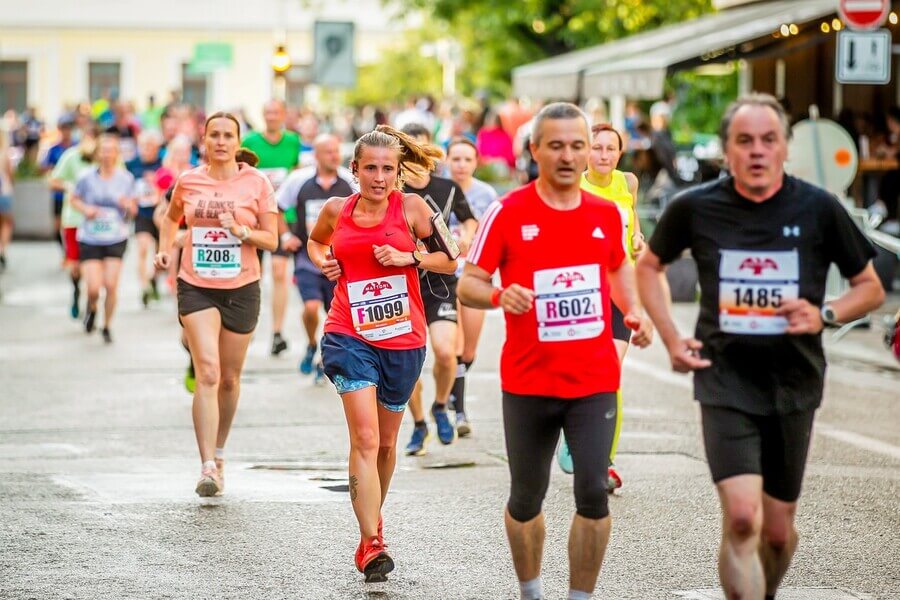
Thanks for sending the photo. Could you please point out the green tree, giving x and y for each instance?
(497, 36)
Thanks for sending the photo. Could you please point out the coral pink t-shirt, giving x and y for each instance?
(212, 257)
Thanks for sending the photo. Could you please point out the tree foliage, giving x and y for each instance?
(497, 36)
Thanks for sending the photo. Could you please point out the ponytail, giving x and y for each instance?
(411, 152)
(246, 156)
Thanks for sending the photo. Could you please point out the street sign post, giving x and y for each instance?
(863, 57)
(864, 14)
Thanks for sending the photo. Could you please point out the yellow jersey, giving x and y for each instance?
(617, 191)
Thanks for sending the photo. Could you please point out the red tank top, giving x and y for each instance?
(380, 305)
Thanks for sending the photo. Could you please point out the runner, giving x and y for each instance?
(6, 197)
(279, 154)
(374, 343)
(439, 295)
(603, 180)
(144, 167)
(300, 199)
(763, 242)
(462, 160)
(230, 211)
(65, 175)
(105, 196)
(64, 126)
(560, 258)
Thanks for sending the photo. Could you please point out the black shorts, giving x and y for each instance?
(532, 425)
(439, 298)
(238, 307)
(144, 224)
(96, 252)
(57, 203)
(774, 446)
(620, 331)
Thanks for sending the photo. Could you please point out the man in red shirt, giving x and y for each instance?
(561, 259)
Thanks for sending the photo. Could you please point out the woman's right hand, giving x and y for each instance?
(161, 261)
(331, 269)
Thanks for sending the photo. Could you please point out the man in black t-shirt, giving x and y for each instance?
(302, 196)
(763, 242)
(444, 196)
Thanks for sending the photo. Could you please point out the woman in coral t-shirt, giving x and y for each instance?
(230, 211)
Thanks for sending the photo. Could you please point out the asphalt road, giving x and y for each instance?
(98, 464)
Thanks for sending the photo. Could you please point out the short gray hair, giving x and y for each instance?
(557, 110)
(754, 99)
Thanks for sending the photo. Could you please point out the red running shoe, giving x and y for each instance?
(613, 480)
(372, 560)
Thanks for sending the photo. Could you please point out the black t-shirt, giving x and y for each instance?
(310, 199)
(444, 196)
(751, 256)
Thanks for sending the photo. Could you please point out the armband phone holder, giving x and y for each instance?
(441, 239)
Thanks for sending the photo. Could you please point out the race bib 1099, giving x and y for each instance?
(752, 287)
(380, 307)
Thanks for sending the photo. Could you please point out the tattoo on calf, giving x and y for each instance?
(354, 483)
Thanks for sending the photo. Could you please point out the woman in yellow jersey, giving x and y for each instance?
(604, 180)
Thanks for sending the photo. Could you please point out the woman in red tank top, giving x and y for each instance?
(374, 343)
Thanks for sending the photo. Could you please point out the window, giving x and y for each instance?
(104, 80)
(193, 87)
(296, 79)
(13, 85)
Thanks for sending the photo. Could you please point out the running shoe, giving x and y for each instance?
(320, 374)
(463, 428)
(210, 484)
(416, 445)
(76, 297)
(613, 481)
(445, 430)
(89, 320)
(154, 289)
(107, 336)
(564, 457)
(190, 379)
(372, 560)
(279, 345)
(145, 298)
(306, 365)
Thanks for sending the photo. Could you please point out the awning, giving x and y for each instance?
(636, 66)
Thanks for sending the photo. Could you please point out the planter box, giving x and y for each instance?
(32, 210)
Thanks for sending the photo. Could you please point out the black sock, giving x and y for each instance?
(421, 425)
(458, 393)
(770, 596)
(76, 280)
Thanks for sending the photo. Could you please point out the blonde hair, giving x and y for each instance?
(411, 152)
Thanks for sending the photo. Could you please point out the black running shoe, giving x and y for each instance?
(107, 336)
(89, 320)
(279, 344)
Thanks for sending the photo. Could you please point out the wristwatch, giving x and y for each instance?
(417, 258)
(245, 233)
(828, 315)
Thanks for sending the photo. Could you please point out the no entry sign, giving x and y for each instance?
(864, 14)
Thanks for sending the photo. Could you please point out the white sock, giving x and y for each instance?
(220, 452)
(211, 464)
(579, 595)
(531, 590)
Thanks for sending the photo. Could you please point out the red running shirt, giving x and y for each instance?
(563, 347)
(380, 305)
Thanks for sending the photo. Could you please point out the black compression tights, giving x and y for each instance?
(533, 424)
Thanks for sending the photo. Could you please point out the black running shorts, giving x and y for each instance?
(238, 307)
(439, 298)
(620, 331)
(774, 446)
(144, 224)
(97, 252)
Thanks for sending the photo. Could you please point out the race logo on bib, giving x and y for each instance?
(752, 287)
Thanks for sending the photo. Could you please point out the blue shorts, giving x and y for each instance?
(5, 204)
(351, 364)
(315, 286)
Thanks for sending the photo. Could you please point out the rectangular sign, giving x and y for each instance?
(863, 57)
(333, 62)
(210, 56)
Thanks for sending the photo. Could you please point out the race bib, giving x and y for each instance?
(313, 208)
(216, 253)
(380, 307)
(752, 286)
(276, 176)
(568, 304)
(105, 227)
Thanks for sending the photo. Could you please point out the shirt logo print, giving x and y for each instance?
(598, 233)
(789, 231)
(529, 232)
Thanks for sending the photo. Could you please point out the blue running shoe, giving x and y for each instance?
(416, 445)
(564, 458)
(445, 430)
(306, 365)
